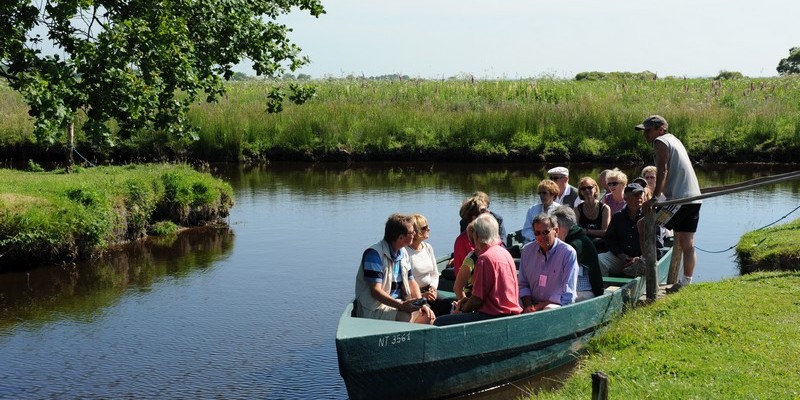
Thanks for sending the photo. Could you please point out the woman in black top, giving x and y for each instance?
(593, 216)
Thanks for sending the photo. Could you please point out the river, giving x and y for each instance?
(250, 311)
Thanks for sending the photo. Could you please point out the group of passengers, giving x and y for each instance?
(572, 238)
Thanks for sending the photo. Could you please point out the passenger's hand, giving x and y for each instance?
(647, 206)
(529, 309)
(427, 311)
(430, 295)
(458, 304)
(408, 306)
(631, 261)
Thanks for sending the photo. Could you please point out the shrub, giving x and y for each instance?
(726, 75)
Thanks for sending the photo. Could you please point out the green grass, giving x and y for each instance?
(749, 119)
(734, 339)
(52, 216)
(768, 249)
(527, 119)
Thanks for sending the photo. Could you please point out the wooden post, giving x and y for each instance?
(675, 265)
(649, 254)
(599, 386)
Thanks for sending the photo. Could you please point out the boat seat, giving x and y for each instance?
(616, 280)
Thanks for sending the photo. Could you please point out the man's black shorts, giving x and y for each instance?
(682, 219)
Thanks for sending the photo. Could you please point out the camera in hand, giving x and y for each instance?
(419, 302)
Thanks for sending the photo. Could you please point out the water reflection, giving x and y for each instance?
(501, 180)
(78, 291)
(200, 317)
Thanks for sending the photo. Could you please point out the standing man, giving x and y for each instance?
(675, 179)
(568, 194)
(495, 291)
(601, 180)
(548, 269)
(385, 286)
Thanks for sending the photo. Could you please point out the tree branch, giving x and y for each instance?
(6, 75)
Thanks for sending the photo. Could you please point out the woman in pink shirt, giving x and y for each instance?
(471, 208)
(495, 292)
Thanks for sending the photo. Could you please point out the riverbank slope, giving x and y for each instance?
(737, 338)
(770, 249)
(48, 217)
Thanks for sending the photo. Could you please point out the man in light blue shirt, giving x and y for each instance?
(548, 272)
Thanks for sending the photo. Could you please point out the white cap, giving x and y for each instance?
(558, 171)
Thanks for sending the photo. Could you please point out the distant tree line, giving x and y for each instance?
(642, 76)
(609, 76)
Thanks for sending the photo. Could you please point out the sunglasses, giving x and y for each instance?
(584, 188)
(425, 228)
(544, 192)
(612, 184)
(542, 233)
(555, 178)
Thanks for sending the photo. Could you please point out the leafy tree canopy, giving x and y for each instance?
(726, 75)
(601, 76)
(791, 64)
(139, 63)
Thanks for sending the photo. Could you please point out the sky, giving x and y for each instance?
(517, 39)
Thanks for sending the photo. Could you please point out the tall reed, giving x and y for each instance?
(752, 119)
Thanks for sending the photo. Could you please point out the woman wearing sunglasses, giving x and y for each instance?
(616, 180)
(593, 216)
(423, 265)
(548, 191)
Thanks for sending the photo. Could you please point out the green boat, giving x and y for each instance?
(398, 360)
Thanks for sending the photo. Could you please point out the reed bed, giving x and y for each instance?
(539, 120)
(533, 120)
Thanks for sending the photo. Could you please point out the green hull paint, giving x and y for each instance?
(397, 360)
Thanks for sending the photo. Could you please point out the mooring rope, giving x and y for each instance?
(763, 227)
(739, 187)
(75, 150)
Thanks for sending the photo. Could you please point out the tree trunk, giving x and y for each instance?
(70, 145)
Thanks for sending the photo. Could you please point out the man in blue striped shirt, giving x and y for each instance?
(548, 272)
(385, 287)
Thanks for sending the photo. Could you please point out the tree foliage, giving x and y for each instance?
(139, 63)
(728, 75)
(791, 64)
(601, 76)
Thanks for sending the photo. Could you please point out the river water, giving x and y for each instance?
(250, 311)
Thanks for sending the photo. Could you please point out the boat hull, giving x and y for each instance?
(396, 360)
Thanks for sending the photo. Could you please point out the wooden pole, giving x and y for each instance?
(649, 254)
(739, 187)
(599, 386)
(677, 252)
(675, 265)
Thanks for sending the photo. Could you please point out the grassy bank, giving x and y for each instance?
(533, 120)
(733, 339)
(53, 217)
(771, 249)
